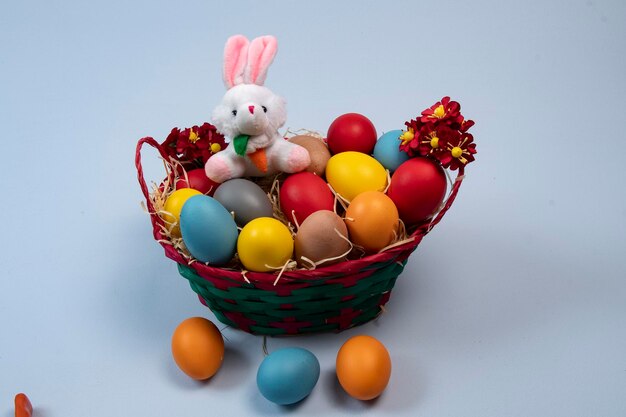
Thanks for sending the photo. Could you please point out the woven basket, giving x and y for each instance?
(330, 298)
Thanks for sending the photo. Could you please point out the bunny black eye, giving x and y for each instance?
(234, 112)
(264, 109)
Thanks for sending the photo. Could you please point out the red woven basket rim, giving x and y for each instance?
(398, 253)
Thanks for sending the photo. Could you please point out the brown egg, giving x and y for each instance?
(317, 239)
(318, 151)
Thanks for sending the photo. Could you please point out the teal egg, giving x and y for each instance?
(387, 150)
(208, 230)
(288, 375)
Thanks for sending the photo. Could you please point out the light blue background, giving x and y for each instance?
(514, 306)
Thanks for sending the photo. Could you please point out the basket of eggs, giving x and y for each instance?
(299, 234)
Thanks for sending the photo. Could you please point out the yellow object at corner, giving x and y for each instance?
(352, 173)
(174, 205)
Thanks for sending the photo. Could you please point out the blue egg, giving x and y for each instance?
(208, 230)
(288, 375)
(387, 150)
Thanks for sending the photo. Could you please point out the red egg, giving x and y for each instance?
(352, 132)
(303, 194)
(198, 181)
(418, 188)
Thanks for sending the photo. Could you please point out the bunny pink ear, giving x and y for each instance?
(235, 57)
(260, 55)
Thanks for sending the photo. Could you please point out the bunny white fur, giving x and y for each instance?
(251, 109)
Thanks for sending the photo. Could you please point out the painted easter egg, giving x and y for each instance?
(198, 348)
(323, 236)
(418, 188)
(363, 367)
(318, 151)
(288, 375)
(302, 194)
(23, 406)
(351, 173)
(264, 244)
(372, 220)
(351, 132)
(197, 180)
(387, 150)
(246, 199)
(208, 230)
(173, 205)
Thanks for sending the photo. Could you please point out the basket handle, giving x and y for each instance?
(140, 176)
(453, 193)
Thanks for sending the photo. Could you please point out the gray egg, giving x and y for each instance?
(245, 198)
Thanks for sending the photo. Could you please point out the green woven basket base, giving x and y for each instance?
(319, 307)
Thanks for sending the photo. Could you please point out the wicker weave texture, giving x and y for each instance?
(320, 306)
(330, 298)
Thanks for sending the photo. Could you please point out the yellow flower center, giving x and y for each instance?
(406, 137)
(439, 111)
(193, 137)
(434, 142)
(215, 147)
(456, 152)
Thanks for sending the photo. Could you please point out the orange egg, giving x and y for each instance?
(363, 367)
(372, 220)
(198, 348)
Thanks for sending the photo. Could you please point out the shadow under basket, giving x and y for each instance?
(327, 299)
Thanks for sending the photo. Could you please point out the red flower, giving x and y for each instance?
(465, 125)
(195, 144)
(170, 142)
(434, 139)
(409, 142)
(443, 111)
(440, 133)
(458, 152)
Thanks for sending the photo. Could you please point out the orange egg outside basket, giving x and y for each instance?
(326, 299)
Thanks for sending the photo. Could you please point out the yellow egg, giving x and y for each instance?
(363, 367)
(173, 206)
(372, 220)
(352, 173)
(264, 244)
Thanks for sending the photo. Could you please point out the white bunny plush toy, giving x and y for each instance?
(250, 115)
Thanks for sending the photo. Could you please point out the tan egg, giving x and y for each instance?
(317, 238)
(318, 151)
